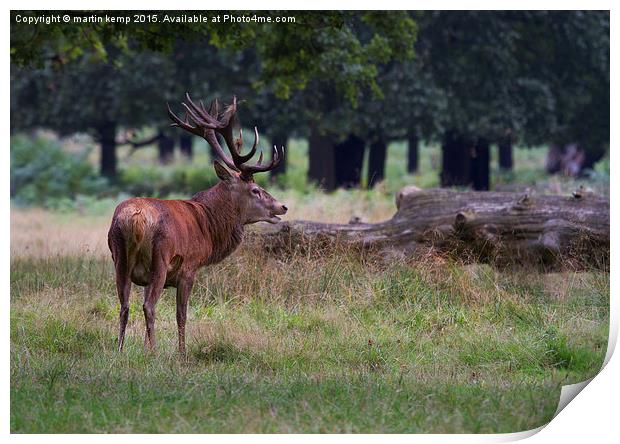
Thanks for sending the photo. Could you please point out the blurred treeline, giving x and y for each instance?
(348, 82)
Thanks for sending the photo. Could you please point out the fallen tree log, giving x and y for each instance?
(489, 227)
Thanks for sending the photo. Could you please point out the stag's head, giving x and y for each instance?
(255, 203)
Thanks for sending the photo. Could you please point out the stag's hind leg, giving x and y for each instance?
(123, 286)
(184, 288)
(122, 265)
(152, 292)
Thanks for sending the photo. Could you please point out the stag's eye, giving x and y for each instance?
(256, 191)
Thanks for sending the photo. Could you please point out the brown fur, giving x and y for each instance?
(162, 243)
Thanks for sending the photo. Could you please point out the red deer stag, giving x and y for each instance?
(162, 243)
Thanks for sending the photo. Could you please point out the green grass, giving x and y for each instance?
(329, 344)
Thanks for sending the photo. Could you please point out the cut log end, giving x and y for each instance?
(464, 219)
(405, 193)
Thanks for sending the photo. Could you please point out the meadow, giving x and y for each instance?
(330, 343)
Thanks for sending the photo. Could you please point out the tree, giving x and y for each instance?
(341, 48)
(360, 44)
(534, 72)
(54, 97)
(376, 160)
(568, 51)
(504, 147)
(347, 81)
(277, 120)
(468, 55)
(413, 150)
(411, 107)
(186, 144)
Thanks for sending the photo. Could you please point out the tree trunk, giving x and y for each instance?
(551, 232)
(412, 153)
(349, 159)
(569, 159)
(322, 168)
(592, 157)
(165, 146)
(279, 140)
(553, 162)
(185, 145)
(480, 162)
(456, 160)
(107, 139)
(376, 162)
(504, 148)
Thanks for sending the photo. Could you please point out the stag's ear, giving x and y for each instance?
(222, 172)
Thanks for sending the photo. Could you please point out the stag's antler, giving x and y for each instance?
(205, 123)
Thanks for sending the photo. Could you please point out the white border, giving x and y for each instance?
(314, 5)
(591, 416)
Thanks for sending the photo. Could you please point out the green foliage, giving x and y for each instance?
(123, 91)
(142, 180)
(544, 74)
(43, 174)
(153, 180)
(598, 177)
(191, 179)
(327, 44)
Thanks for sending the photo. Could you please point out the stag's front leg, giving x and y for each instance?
(184, 288)
(152, 292)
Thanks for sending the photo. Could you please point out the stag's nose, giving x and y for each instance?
(284, 209)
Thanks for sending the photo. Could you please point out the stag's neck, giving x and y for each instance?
(224, 223)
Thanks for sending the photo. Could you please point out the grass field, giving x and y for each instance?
(302, 344)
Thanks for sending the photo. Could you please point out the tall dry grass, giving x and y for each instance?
(43, 233)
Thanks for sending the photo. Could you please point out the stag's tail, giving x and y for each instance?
(133, 225)
(132, 228)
